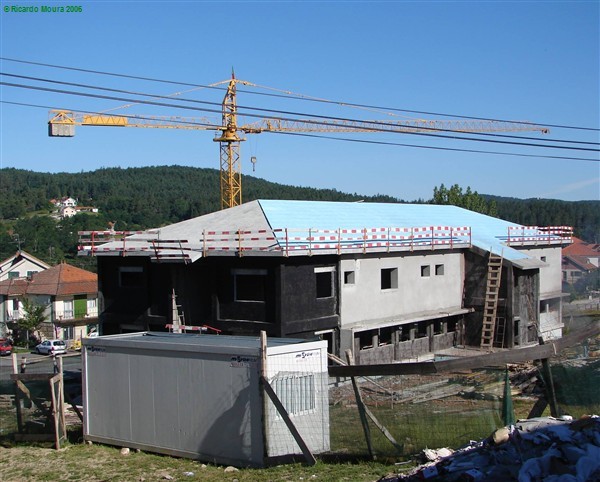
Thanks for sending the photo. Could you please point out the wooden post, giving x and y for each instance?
(15, 365)
(55, 414)
(262, 378)
(61, 394)
(361, 407)
(549, 384)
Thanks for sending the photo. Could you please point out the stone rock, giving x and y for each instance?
(231, 469)
(125, 451)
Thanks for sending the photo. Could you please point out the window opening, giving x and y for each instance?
(349, 277)
(385, 335)
(365, 340)
(389, 278)
(324, 284)
(131, 276)
(249, 285)
(425, 271)
(439, 269)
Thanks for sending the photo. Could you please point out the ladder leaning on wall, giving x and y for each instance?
(490, 306)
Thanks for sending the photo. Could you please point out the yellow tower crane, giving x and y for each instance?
(229, 135)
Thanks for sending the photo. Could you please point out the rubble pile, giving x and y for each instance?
(542, 449)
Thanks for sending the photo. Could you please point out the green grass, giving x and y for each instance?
(103, 463)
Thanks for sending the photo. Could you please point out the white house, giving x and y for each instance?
(21, 265)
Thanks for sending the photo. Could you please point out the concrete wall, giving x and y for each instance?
(364, 299)
(551, 275)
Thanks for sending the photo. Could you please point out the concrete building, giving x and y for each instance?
(390, 281)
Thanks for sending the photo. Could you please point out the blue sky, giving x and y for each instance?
(535, 61)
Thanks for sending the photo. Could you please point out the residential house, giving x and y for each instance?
(67, 211)
(579, 259)
(65, 202)
(70, 294)
(21, 265)
(390, 281)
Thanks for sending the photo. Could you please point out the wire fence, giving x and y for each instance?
(404, 414)
(452, 409)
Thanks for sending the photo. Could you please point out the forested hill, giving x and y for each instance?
(146, 197)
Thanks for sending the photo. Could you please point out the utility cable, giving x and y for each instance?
(249, 114)
(363, 141)
(297, 96)
(366, 141)
(384, 123)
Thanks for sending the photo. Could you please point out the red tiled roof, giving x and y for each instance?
(13, 287)
(60, 280)
(581, 248)
(63, 279)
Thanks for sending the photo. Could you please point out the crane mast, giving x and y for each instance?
(229, 150)
(62, 124)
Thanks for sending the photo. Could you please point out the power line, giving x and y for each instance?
(329, 121)
(362, 141)
(366, 141)
(296, 96)
(383, 123)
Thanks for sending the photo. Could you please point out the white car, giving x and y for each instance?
(51, 347)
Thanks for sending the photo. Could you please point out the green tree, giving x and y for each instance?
(34, 316)
(470, 200)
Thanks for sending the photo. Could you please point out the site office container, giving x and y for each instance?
(199, 396)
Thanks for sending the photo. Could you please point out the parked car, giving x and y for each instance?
(6, 347)
(51, 347)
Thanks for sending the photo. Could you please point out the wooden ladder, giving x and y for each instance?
(490, 305)
(500, 331)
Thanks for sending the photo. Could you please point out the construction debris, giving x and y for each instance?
(534, 450)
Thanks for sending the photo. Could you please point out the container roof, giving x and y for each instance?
(225, 344)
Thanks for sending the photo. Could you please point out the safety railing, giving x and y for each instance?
(535, 235)
(284, 241)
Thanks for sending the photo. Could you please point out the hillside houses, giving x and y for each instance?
(390, 281)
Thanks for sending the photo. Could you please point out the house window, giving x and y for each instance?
(13, 274)
(439, 270)
(31, 273)
(131, 276)
(249, 285)
(425, 271)
(349, 277)
(67, 310)
(543, 258)
(324, 281)
(296, 393)
(389, 278)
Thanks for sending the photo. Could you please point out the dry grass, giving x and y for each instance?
(95, 463)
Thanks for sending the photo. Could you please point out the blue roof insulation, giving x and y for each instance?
(487, 232)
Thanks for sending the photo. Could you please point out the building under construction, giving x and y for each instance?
(389, 281)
